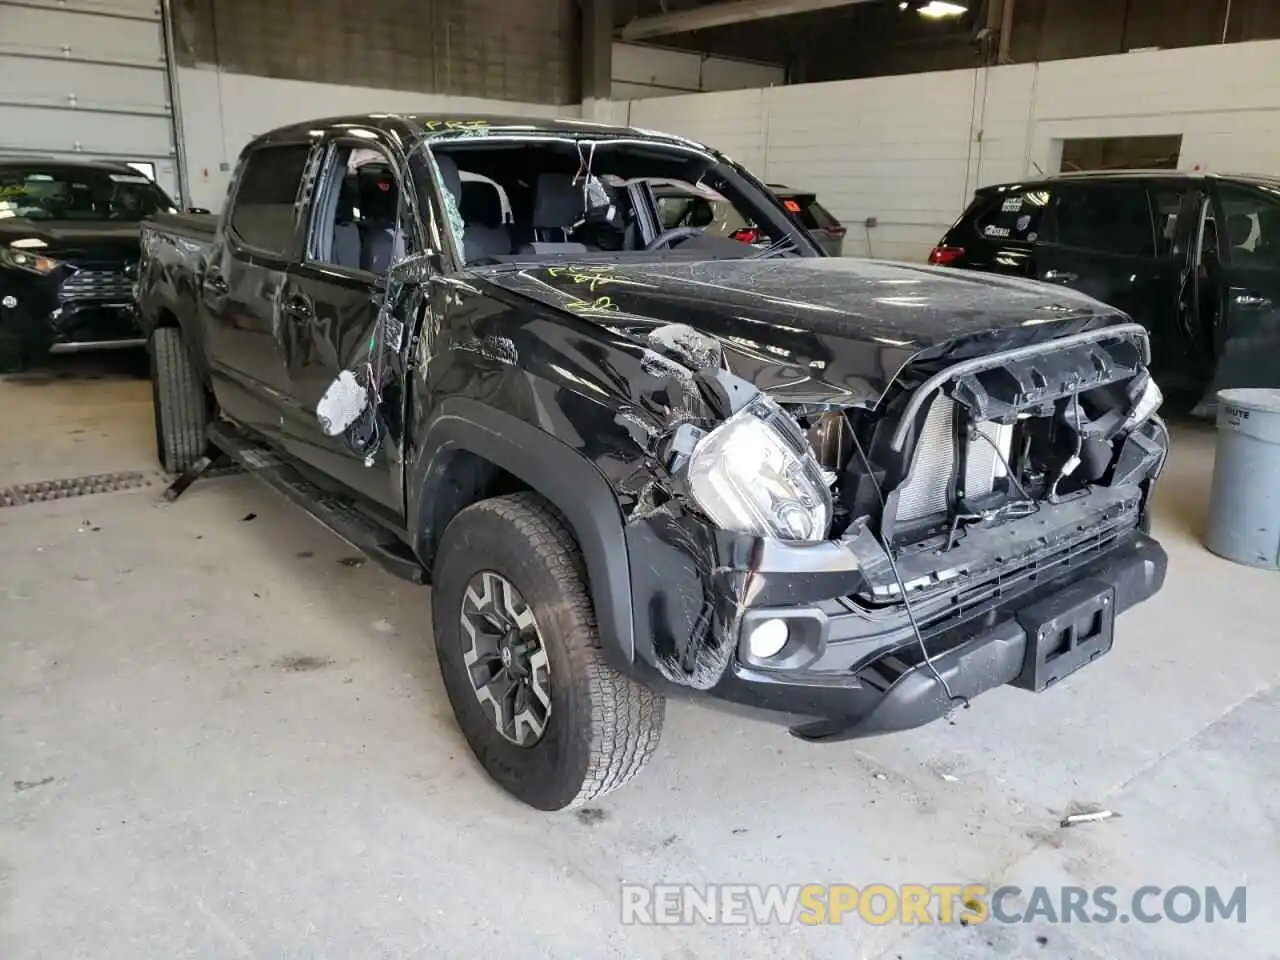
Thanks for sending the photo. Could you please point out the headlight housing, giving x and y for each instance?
(755, 474)
(1147, 404)
(26, 260)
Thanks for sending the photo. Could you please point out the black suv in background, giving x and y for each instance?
(1195, 258)
(814, 217)
(69, 255)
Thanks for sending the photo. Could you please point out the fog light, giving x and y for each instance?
(767, 638)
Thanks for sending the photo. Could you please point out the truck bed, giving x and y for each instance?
(195, 226)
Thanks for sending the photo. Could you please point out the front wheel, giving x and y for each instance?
(547, 717)
(179, 399)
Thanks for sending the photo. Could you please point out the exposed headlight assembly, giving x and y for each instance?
(755, 474)
(1148, 402)
(26, 260)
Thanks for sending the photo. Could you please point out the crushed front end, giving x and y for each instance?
(981, 525)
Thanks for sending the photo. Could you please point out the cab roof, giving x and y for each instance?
(415, 124)
(1270, 181)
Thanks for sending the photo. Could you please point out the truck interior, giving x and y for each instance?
(569, 198)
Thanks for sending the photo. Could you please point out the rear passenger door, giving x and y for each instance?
(1102, 239)
(1248, 339)
(328, 301)
(239, 289)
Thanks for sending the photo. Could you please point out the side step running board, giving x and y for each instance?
(381, 545)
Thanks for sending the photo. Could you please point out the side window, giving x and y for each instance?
(1013, 216)
(1108, 218)
(1252, 225)
(707, 211)
(815, 216)
(1166, 202)
(263, 211)
(356, 220)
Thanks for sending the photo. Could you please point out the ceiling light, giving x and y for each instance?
(937, 9)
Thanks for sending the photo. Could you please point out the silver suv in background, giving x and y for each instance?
(678, 206)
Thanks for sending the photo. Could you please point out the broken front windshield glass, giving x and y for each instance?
(513, 199)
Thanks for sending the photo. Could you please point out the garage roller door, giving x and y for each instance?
(87, 78)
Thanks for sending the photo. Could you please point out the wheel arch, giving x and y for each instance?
(470, 451)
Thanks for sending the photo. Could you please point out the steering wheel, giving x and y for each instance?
(667, 237)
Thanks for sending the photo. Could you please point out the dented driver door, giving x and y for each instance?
(327, 310)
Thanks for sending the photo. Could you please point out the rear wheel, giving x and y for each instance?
(180, 402)
(519, 651)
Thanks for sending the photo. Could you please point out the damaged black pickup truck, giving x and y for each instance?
(631, 462)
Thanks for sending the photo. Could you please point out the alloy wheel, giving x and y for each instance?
(505, 658)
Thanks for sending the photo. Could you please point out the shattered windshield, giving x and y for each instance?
(517, 197)
(78, 193)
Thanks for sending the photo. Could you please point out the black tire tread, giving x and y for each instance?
(626, 717)
(181, 407)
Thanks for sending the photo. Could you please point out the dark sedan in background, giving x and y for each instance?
(69, 234)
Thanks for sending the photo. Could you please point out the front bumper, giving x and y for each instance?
(845, 692)
(39, 315)
(853, 667)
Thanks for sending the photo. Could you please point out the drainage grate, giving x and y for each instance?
(44, 490)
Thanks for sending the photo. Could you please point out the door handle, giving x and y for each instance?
(215, 283)
(299, 307)
(1059, 276)
(1250, 300)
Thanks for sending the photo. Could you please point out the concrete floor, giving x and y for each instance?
(219, 740)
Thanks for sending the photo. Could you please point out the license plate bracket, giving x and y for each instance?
(1065, 632)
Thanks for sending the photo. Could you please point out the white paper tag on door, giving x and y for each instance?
(341, 404)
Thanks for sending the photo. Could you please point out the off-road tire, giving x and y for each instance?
(603, 726)
(180, 401)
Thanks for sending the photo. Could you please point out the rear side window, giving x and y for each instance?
(1109, 218)
(812, 214)
(1013, 216)
(263, 211)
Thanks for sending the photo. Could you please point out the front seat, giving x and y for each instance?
(481, 209)
(346, 235)
(557, 206)
(452, 182)
(379, 205)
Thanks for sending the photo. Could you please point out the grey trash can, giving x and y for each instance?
(1244, 507)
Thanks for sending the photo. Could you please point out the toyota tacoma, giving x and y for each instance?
(632, 462)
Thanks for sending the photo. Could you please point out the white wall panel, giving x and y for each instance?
(643, 71)
(910, 150)
(222, 112)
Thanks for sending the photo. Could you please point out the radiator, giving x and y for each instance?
(925, 491)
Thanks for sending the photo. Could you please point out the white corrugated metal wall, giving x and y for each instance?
(87, 79)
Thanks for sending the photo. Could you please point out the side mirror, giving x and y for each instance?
(198, 210)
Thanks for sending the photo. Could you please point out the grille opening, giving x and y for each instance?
(96, 284)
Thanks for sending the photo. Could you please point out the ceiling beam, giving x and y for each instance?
(721, 14)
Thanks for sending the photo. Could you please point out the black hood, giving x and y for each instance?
(816, 329)
(85, 241)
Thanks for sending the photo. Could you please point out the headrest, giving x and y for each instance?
(481, 203)
(701, 213)
(449, 174)
(1239, 228)
(557, 202)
